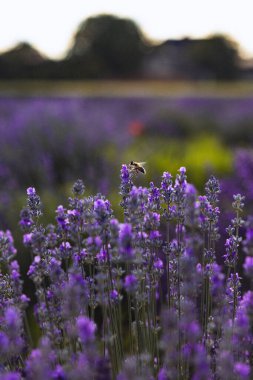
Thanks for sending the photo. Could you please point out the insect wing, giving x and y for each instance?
(141, 167)
(141, 163)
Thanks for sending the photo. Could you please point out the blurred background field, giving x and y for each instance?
(117, 95)
(50, 140)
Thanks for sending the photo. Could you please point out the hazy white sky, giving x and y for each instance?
(50, 24)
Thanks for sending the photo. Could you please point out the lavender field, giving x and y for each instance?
(50, 141)
(47, 141)
(147, 279)
(121, 299)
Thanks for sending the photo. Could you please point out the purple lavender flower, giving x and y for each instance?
(31, 191)
(248, 266)
(125, 241)
(233, 292)
(102, 210)
(137, 201)
(40, 363)
(27, 238)
(217, 281)
(154, 197)
(130, 283)
(12, 319)
(233, 242)
(4, 344)
(101, 256)
(242, 370)
(81, 256)
(114, 295)
(7, 249)
(11, 376)
(158, 264)
(126, 184)
(74, 295)
(125, 174)
(62, 218)
(212, 188)
(249, 234)
(59, 373)
(13, 326)
(26, 220)
(210, 214)
(35, 270)
(33, 202)
(86, 329)
(162, 375)
(248, 242)
(65, 245)
(78, 187)
(24, 299)
(167, 192)
(200, 362)
(154, 235)
(151, 221)
(15, 275)
(231, 255)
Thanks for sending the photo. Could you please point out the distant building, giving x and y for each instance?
(247, 69)
(192, 59)
(169, 60)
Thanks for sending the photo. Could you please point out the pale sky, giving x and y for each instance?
(49, 24)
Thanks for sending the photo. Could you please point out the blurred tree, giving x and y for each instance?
(108, 46)
(21, 61)
(217, 57)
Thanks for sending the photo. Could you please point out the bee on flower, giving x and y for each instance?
(137, 167)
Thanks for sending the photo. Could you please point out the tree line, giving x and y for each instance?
(109, 47)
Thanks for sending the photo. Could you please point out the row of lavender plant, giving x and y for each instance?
(51, 129)
(141, 299)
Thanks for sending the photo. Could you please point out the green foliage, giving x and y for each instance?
(201, 154)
